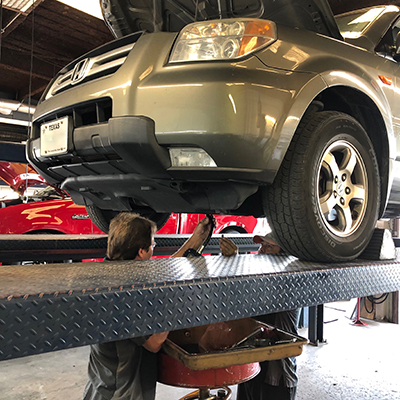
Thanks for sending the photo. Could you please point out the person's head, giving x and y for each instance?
(130, 237)
(268, 244)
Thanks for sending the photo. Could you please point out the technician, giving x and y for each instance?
(127, 369)
(277, 379)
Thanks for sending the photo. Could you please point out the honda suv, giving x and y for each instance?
(249, 107)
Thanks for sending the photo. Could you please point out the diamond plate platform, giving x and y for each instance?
(57, 306)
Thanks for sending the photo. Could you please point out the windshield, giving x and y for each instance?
(352, 25)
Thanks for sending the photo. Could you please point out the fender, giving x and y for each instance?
(371, 89)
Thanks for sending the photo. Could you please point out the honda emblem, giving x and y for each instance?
(79, 71)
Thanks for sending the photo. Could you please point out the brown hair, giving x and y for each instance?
(128, 233)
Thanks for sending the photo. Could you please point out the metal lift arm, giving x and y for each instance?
(15, 248)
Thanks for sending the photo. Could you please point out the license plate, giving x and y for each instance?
(54, 137)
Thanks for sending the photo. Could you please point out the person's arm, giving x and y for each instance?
(227, 247)
(197, 239)
(154, 342)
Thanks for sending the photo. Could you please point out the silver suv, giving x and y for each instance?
(249, 107)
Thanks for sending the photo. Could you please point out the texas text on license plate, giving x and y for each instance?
(54, 137)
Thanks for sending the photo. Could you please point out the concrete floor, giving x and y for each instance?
(356, 363)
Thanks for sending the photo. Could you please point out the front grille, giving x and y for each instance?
(92, 113)
(97, 67)
(83, 114)
(99, 63)
(87, 113)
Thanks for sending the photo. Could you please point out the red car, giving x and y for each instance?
(49, 210)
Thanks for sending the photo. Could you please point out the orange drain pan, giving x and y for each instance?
(183, 345)
(172, 372)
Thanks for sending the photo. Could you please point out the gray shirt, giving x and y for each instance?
(122, 370)
(285, 369)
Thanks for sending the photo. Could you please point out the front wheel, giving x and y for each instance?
(324, 202)
(102, 218)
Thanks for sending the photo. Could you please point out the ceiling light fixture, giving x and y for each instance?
(18, 5)
(91, 7)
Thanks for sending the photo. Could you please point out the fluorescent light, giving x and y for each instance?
(5, 111)
(91, 7)
(9, 106)
(18, 5)
(13, 121)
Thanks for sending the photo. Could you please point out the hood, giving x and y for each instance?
(21, 176)
(124, 17)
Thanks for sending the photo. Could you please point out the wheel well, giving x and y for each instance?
(362, 108)
(44, 232)
(231, 228)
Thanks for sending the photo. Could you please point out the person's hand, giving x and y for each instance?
(203, 229)
(228, 248)
(198, 237)
(155, 341)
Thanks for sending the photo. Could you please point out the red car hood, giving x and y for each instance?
(19, 176)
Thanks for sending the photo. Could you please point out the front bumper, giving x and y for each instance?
(119, 165)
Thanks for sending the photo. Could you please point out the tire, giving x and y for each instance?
(324, 202)
(102, 218)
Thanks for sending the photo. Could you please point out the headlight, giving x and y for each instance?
(222, 39)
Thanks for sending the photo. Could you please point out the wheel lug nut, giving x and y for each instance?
(336, 179)
(347, 190)
(342, 201)
(334, 194)
(343, 177)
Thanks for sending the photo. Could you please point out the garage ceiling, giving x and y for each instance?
(60, 34)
